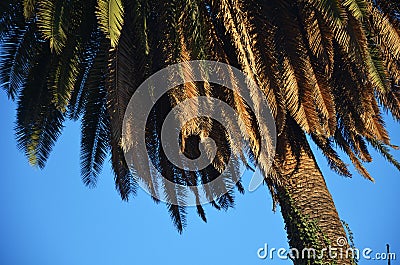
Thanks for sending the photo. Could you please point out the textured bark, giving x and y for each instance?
(307, 207)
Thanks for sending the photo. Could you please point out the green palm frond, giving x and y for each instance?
(357, 8)
(29, 8)
(95, 134)
(327, 68)
(65, 75)
(127, 68)
(332, 11)
(16, 59)
(51, 19)
(110, 14)
(11, 19)
(76, 102)
(95, 122)
(39, 123)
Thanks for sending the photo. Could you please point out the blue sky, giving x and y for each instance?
(49, 217)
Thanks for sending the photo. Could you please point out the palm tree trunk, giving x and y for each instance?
(307, 207)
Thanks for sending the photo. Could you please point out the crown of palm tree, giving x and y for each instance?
(329, 67)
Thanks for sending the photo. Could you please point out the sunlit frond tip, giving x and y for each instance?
(110, 15)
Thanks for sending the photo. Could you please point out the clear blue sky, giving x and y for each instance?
(49, 217)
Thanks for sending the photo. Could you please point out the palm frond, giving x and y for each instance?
(29, 8)
(343, 144)
(51, 19)
(39, 123)
(385, 152)
(357, 8)
(95, 121)
(126, 71)
(18, 52)
(110, 14)
(332, 11)
(334, 161)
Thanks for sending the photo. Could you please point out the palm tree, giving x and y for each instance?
(327, 68)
